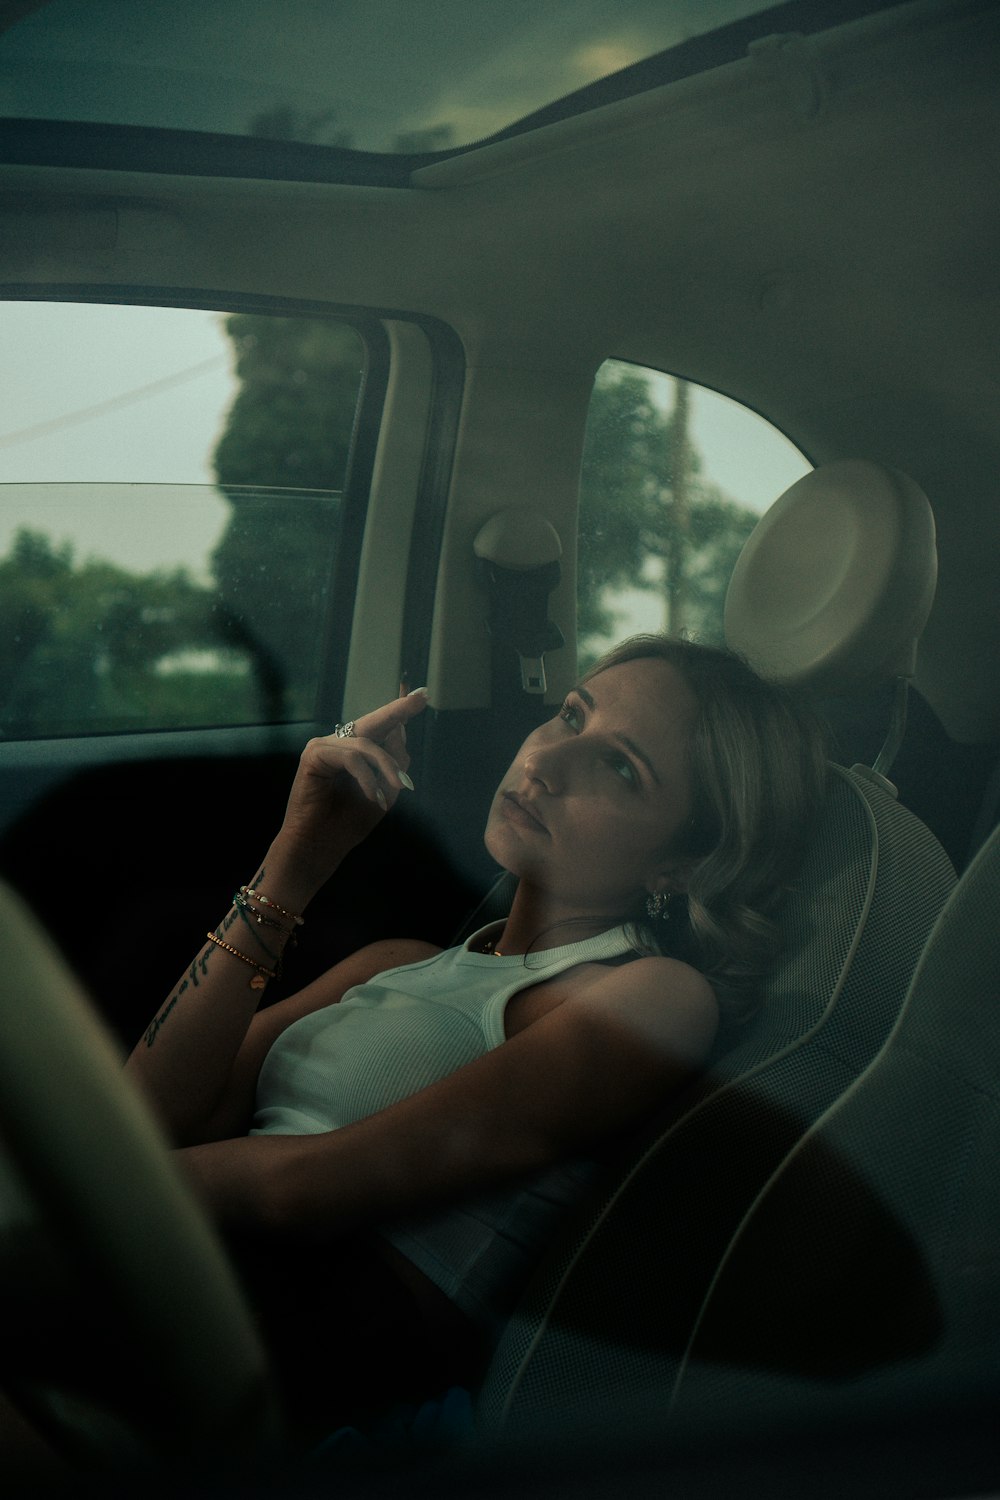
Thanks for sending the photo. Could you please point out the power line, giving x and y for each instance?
(114, 403)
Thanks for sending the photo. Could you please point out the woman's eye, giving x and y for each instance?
(570, 714)
(624, 768)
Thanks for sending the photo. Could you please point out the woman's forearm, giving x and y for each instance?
(343, 787)
(184, 1059)
(298, 1186)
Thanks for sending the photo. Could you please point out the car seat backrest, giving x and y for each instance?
(611, 1312)
(865, 1279)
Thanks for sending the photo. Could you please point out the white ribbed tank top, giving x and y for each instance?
(398, 1033)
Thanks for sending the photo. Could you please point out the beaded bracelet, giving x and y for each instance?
(263, 974)
(248, 890)
(250, 913)
(251, 923)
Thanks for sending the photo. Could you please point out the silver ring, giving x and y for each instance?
(345, 731)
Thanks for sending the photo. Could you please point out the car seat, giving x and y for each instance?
(834, 585)
(864, 1278)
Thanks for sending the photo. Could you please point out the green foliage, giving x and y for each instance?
(291, 422)
(88, 647)
(627, 444)
(635, 532)
(718, 527)
(289, 429)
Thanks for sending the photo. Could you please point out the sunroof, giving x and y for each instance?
(398, 76)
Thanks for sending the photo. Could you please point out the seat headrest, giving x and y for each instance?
(835, 583)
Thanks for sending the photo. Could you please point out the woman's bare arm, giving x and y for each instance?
(343, 787)
(586, 1070)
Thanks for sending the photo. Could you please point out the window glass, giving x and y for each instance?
(393, 76)
(170, 497)
(674, 479)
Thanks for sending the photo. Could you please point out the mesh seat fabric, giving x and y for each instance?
(866, 1278)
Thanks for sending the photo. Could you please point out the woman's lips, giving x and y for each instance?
(519, 812)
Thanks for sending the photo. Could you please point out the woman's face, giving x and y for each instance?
(595, 797)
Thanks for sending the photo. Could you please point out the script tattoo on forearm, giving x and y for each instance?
(198, 968)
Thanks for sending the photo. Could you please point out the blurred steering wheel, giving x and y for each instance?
(136, 1343)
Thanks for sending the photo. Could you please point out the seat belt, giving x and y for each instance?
(518, 556)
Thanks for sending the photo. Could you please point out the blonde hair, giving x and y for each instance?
(757, 768)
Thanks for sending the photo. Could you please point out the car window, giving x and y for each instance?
(395, 77)
(674, 479)
(171, 485)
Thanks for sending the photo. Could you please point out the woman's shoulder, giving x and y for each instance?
(663, 997)
(654, 975)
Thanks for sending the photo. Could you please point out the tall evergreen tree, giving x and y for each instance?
(288, 436)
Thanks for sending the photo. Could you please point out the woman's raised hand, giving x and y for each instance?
(345, 785)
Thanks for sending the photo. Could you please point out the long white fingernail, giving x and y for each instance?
(420, 692)
(406, 781)
(380, 798)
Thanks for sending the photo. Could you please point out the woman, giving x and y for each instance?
(652, 825)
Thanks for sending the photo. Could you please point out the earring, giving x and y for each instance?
(657, 904)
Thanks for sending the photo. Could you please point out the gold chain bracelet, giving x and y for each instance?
(263, 973)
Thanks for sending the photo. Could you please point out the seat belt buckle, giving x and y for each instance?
(533, 673)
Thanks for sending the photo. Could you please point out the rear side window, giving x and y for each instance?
(171, 488)
(674, 479)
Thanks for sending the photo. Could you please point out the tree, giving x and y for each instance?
(90, 647)
(287, 439)
(290, 424)
(648, 518)
(31, 580)
(627, 439)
